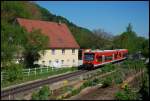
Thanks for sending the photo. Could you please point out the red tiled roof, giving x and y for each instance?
(59, 34)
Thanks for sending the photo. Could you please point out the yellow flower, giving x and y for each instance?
(124, 85)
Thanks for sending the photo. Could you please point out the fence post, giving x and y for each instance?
(35, 70)
(41, 69)
(47, 69)
(28, 71)
(1, 76)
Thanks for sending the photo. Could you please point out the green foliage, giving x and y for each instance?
(107, 82)
(87, 83)
(129, 40)
(126, 94)
(118, 77)
(14, 72)
(36, 43)
(75, 91)
(133, 64)
(108, 68)
(43, 94)
(12, 41)
(10, 10)
(96, 81)
(35, 96)
(144, 90)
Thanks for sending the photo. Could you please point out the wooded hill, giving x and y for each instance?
(23, 9)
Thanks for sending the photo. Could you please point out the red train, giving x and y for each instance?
(92, 59)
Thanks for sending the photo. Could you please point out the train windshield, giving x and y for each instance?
(89, 56)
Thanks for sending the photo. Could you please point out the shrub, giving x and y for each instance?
(118, 80)
(87, 83)
(126, 94)
(120, 96)
(14, 72)
(144, 89)
(43, 94)
(75, 91)
(95, 81)
(35, 96)
(107, 82)
(118, 77)
(108, 68)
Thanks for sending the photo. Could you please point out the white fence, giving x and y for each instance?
(32, 71)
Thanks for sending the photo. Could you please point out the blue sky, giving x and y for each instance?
(112, 16)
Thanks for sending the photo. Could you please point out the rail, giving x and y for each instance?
(36, 84)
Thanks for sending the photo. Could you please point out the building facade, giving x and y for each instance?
(62, 50)
(59, 58)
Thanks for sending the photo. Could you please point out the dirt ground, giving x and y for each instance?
(107, 93)
(97, 94)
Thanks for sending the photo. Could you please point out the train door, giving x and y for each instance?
(103, 58)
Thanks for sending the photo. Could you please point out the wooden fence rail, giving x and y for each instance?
(31, 71)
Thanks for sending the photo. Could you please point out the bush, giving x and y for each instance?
(118, 77)
(108, 68)
(43, 94)
(87, 83)
(126, 94)
(133, 64)
(107, 82)
(118, 80)
(15, 72)
(35, 96)
(120, 96)
(75, 91)
(144, 89)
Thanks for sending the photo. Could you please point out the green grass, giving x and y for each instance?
(39, 75)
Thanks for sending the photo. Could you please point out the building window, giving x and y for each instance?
(73, 51)
(57, 61)
(62, 61)
(50, 62)
(43, 62)
(63, 51)
(53, 51)
(73, 60)
(67, 60)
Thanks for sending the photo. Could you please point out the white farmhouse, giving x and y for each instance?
(62, 50)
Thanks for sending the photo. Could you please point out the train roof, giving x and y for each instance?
(115, 50)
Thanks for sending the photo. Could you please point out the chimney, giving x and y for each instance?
(59, 22)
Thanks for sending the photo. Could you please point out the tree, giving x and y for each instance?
(11, 42)
(102, 39)
(36, 43)
(129, 28)
(128, 40)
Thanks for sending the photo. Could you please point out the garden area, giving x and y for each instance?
(126, 81)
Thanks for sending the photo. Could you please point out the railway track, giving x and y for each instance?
(36, 84)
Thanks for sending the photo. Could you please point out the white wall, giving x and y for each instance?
(68, 57)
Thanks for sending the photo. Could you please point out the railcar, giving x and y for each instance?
(96, 58)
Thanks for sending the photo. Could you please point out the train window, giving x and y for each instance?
(99, 59)
(108, 58)
(89, 56)
(115, 55)
(125, 55)
(119, 54)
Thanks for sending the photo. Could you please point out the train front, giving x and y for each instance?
(88, 60)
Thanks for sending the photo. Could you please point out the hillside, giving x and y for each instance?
(10, 10)
(23, 9)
